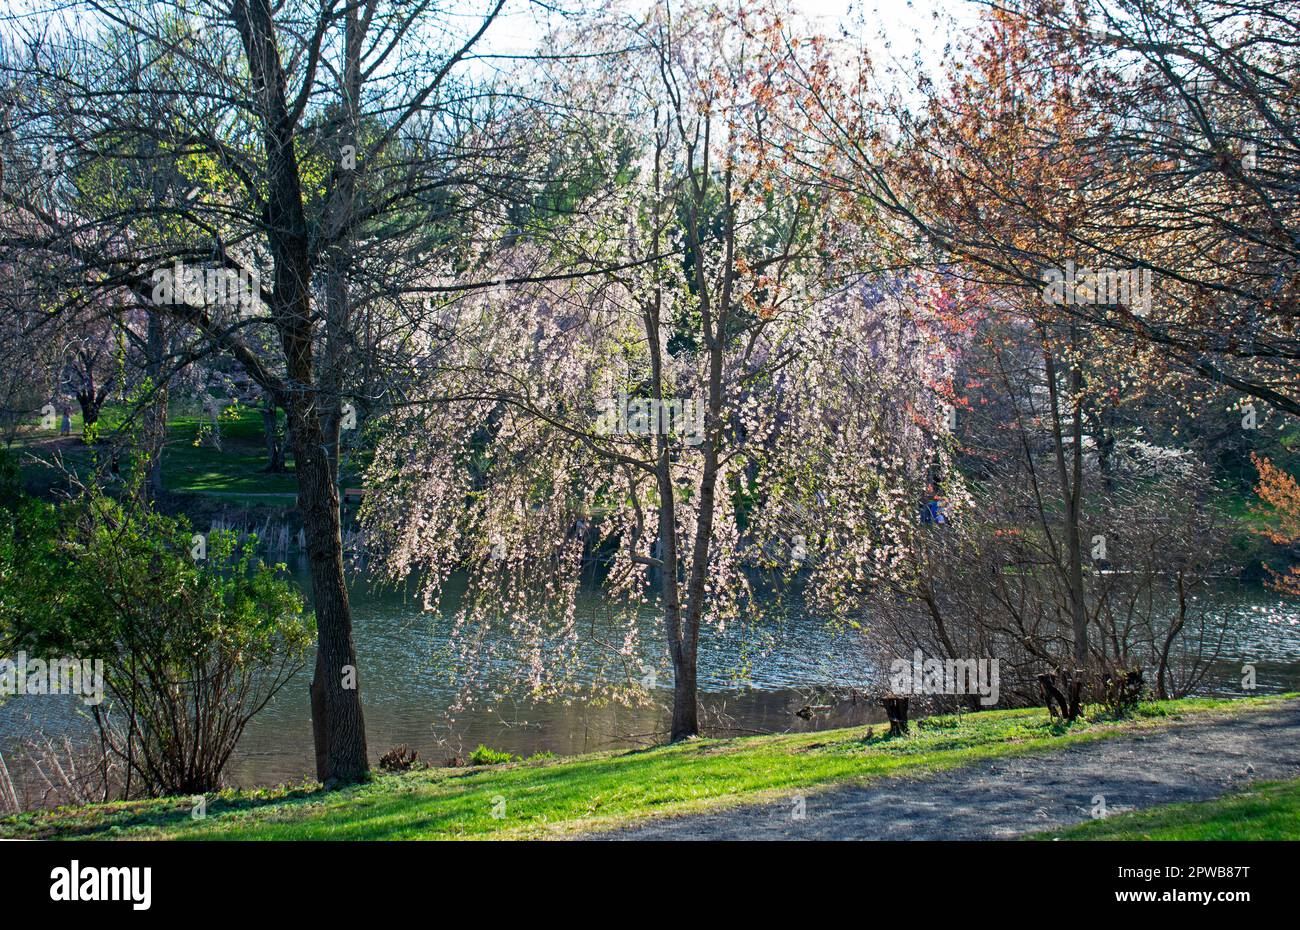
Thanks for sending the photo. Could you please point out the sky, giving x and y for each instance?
(892, 30)
(517, 30)
(889, 28)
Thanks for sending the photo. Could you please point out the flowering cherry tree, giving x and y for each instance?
(706, 401)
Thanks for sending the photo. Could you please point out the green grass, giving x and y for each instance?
(233, 473)
(1268, 811)
(234, 470)
(549, 797)
(188, 468)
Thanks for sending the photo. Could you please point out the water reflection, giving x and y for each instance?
(787, 666)
(752, 680)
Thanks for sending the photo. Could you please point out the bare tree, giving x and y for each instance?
(1101, 136)
(288, 143)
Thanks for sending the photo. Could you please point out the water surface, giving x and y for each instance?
(752, 679)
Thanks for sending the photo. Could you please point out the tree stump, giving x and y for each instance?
(1122, 689)
(1061, 692)
(896, 709)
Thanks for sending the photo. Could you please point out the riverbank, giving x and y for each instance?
(1199, 758)
(614, 790)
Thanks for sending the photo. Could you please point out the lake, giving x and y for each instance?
(786, 667)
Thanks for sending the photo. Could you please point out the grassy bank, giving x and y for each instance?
(234, 471)
(599, 791)
(1268, 811)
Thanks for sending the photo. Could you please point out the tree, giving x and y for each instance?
(1059, 559)
(1103, 138)
(1280, 495)
(666, 391)
(309, 139)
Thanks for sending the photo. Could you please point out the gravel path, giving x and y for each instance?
(1003, 798)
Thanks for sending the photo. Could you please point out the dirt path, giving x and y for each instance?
(1003, 798)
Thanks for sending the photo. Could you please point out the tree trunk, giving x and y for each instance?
(1171, 636)
(896, 710)
(713, 320)
(91, 397)
(156, 433)
(271, 429)
(1070, 479)
(685, 722)
(1074, 513)
(89, 409)
(683, 636)
(338, 724)
(1066, 703)
(686, 704)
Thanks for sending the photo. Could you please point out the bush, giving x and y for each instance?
(191, 650)
(11, 482)
(485, 756)
(1122, 689)
(399, 759)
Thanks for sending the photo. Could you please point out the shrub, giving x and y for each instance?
(399, 759)
(192, 650)
(485, 756)
(1122, 690)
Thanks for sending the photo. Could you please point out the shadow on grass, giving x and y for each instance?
(537, 798)
(156, 813)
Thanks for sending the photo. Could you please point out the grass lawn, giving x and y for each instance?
(233, 474)
(188, 468)
(235, 470)
(556, 796)
(1268, 811)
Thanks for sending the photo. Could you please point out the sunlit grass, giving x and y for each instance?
(1268, 811)
(550, 797)
(235, 472)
